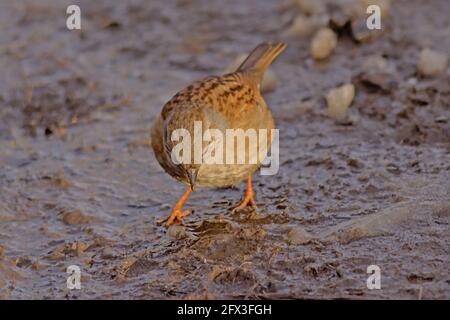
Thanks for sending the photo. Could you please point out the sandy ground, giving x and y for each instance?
(79, 184)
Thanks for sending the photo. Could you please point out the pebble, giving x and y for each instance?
(323, 43)
(441, 119)
(378, 73)
(339, 100)
(108, 253)
(358, 8)
(298, 236)
(375, 64)
(177, 232)
(378, 81)
(361, 33)
(432, 63)
(75, 217)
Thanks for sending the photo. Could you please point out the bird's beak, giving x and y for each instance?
(192, 175)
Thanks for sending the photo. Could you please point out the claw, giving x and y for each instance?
(244, 203)
(248, 200)
(176, 216)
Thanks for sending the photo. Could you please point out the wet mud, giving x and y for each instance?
(79, 184)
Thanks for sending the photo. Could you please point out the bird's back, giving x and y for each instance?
(231, 101)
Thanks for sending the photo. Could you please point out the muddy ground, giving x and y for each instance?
(79, 184)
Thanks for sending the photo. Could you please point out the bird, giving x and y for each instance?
(229, 101)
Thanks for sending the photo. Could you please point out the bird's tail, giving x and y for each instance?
(260, 58)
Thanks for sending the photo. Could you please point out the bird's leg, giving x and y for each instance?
(176, 213)
(247, 200)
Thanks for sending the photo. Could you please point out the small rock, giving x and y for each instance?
(358, 8)
(361, 33)
(75, 217)
(432, 63)
(358, 11)
(375, 64)
(382, 82)
(323, 43)
(177, 232)
(378, 74)
(339, 99)
(108, 253)
(165, 206)
(393, 168)
(297, 236)
(440, 119)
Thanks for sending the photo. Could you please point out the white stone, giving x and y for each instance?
(323, 43)
(432, 63)
(339, 100)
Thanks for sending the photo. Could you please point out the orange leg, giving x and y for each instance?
(176, 213)
(248, 198)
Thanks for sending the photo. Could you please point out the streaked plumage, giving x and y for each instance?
(231, 101)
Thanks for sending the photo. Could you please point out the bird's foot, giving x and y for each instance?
(175, 216)
(247, 201)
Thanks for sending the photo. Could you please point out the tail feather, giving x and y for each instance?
(261, 57)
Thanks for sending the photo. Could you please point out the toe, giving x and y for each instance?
(176, 216)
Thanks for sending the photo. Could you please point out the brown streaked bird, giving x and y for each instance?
(231, 101)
